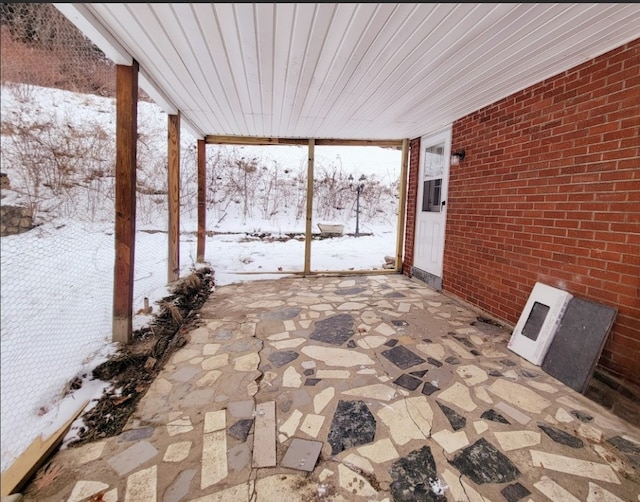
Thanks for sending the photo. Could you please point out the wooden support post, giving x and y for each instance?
(402, 203)
(307, 233)
(173, 143)
(202, 200)
(125, 199)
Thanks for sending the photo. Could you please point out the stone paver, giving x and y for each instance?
(387, 385)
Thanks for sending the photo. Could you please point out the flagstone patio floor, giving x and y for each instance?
(373, 388)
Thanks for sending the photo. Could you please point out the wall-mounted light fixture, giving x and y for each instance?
(457, 157)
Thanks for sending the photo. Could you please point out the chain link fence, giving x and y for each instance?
(57, 223)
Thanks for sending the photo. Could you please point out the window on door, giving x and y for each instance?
(433, 170)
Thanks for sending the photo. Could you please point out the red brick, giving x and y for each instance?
(551, 194)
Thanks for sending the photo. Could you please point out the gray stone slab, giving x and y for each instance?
(352, 425)
(132, 458)
(281, 315)
(407, 381)
(514, 492)
(184, 374)
(334, 330)
(179, 488)
(412, 477)
(402, 357)
(349, 291)
(560, 436)
(456, 420)
(281, 358)
(136, 434)
(302, 454)
(484, 463)
(239, 456)
(241, 409)
(240, 430)
(578, 342)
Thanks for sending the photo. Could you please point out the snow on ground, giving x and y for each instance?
(57, 279)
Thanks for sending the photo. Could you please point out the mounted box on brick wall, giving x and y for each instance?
(539, 322)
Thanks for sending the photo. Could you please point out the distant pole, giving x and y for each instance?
(359, 188)
(358, 211)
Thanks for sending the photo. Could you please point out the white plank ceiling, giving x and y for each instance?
(348, 70)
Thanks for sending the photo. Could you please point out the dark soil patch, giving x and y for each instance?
(133, 369)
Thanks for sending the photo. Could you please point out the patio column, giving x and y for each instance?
(125, 199)
(202, 200)
(307, 233)
(402, 204)
(173, 185)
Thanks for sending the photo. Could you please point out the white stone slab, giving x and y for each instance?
(408, 419)
(312, 424)
(451, 441)
(215, 362)
(513, 440)
(482, 394)
(458, 349)
(214, 458)
(247, 362)
(459, 489)
(291, 378)
(554, 491)
(90, 452)
(519, 395)
(434, 350)
(215, 421)
(209, 378)
(577, 467)
(141, 485)
(348, 306)
(85, 489)
(278, 336)
(177, 452)
(333, 374)
(354, 483)
(377, 391)
(599, 494)
(264, 436)
(323, 398)
(384, 329)
(471, 374)
(238, 493)
(337, 357)
(544, 387)
(353, 460)
(458, 395)
(290, 425)
(480, 426)
(288, 344)
(381, 451)
(210, 349)
(371, 342)
(179, 426)
(512, 412)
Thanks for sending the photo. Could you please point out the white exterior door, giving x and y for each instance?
(433, 180)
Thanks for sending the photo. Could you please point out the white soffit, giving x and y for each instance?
(350, 70)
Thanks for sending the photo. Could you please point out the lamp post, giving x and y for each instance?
(359, 188)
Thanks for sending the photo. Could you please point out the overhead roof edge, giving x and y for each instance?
(86, 22)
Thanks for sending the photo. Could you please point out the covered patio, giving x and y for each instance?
(353, 388)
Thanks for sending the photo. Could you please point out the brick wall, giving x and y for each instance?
(412, 195)
(549, 191)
